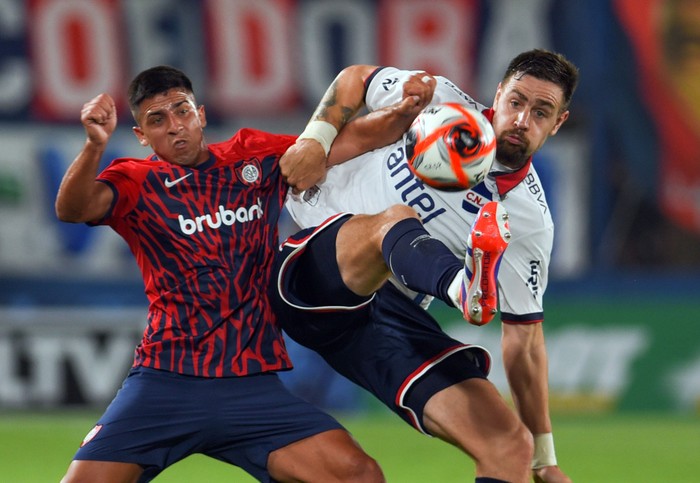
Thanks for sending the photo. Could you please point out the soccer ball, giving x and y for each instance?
(450, 146)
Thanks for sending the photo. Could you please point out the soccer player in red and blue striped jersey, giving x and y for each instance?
(201, 221)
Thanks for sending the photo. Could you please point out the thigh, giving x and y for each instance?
(151, 423)
(257, 416)
(359, 252)
(102, 471)
(329, 456)
(399, 353)
(312, 303)
(159, 418)
(307, 272)
(472, 415)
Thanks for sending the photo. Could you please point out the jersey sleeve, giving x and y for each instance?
(124, 177)
(523, 276)
(385, 87)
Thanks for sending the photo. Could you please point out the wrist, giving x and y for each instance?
(92, 145)
(321, 131)
(544, 451)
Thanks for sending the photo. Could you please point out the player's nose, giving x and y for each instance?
(522, 120)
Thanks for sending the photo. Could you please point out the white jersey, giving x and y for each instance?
(381, 178)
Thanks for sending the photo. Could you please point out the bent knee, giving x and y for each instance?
(399, 212)
(517, 446)
(525, 442)
(391, 216)
(363, 469)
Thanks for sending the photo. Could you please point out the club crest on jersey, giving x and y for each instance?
(249, 173)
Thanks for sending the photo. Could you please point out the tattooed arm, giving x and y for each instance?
(305, 162)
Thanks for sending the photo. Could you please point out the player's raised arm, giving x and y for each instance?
(383, 126)
(374, 130)
(80, 198)
(304, 164)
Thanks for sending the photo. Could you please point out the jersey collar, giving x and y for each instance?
(206, 164)
(507, 181)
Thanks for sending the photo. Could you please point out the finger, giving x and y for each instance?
(410, 105)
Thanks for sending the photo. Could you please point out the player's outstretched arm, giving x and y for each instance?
(525, 362)
(304, 164)
(386, 125)
(80, 198)
(374, 130)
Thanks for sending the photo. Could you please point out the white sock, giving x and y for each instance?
(454, 288)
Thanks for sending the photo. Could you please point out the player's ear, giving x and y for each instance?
(560, 120)
(496, 97)
(202, 115)
(138, 132)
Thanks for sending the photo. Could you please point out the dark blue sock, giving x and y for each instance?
(485, 479)
(419, 261)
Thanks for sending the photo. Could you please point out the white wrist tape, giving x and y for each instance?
(322, 131)
(544, 451)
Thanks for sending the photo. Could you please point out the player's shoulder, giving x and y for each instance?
(448, 91)
(528, 197)
(387, 76)
(254, 142)
(385, 86)
(125, 164)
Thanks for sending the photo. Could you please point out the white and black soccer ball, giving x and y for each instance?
(450, 146)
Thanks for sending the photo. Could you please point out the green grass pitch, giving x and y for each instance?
(37, 447)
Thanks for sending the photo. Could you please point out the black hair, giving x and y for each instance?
(545, 65)
(154, 81)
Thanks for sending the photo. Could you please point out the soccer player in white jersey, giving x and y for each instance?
(530, 104)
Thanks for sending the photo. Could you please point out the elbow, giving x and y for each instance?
(66, 215)
(360, 72)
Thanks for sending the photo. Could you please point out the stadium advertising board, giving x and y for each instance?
(603, 356)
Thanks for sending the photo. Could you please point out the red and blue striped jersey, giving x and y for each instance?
(204, 239)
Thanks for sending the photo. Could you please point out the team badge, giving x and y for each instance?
(311, 195)
(249, 172)
(91, 435)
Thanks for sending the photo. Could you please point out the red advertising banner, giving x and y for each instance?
(75, 51)
(665, 35)
(268, 57)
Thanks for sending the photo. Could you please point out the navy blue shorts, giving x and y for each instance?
(386, 343)
(158, 418)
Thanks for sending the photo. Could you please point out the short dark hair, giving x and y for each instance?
(548, 66)
(154, 81)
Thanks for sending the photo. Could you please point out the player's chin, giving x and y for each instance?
(184, 157)
(510, 154)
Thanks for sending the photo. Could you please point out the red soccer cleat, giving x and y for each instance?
(488, 239)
